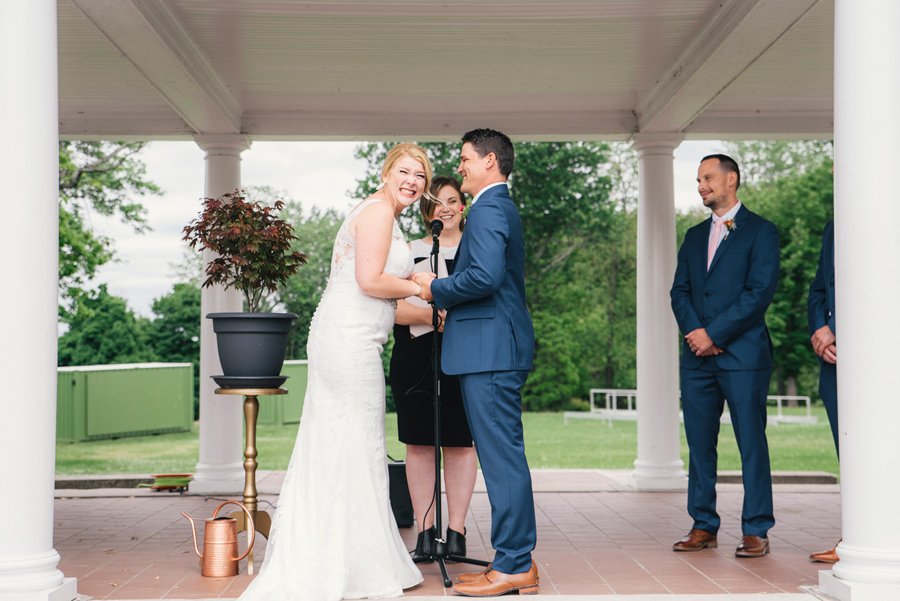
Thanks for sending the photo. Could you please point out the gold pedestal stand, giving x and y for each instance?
(262, 521)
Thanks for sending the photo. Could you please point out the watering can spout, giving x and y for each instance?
(194, 532)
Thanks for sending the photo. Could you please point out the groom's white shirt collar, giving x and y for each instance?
(486, 188)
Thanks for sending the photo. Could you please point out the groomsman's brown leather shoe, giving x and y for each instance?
(473, 576)
(492, 584)
(696, 540)
(829, 556)
(752, 546)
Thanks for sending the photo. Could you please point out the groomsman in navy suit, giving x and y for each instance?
(489, 342)
(822, 330)
(725, 280)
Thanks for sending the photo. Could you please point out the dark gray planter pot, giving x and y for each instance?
(252, 344)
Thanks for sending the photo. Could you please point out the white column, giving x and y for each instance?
(867, 280)
(658, 465)
(29, 235)
(220, 470)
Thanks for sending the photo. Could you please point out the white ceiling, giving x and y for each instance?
(422, 69)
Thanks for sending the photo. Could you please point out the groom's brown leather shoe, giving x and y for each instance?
(473, 576)
(492, 584)
(696, 540)
(829, 556)
(752, 546)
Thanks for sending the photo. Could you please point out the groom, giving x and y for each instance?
(489, 343)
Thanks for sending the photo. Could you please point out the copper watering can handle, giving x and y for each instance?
(250, 527)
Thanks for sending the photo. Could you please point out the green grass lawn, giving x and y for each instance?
(583, 443)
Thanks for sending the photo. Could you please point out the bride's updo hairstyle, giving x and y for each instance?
(407, 150)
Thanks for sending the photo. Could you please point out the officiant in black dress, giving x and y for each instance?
(412, 383)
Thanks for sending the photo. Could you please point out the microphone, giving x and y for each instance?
(436, 226)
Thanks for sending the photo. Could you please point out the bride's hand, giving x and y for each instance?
(422, 278)
(424, 281)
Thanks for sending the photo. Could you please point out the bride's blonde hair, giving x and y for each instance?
(408, 150)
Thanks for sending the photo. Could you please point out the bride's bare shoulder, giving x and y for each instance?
(372, 212)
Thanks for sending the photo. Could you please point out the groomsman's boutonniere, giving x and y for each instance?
(465, 211)
(730, 226)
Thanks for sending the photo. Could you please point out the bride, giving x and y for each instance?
(334, 535)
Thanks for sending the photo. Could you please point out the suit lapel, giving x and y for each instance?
(740, 222)
(701, 246)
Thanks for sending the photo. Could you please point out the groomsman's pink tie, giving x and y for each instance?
(713, 241)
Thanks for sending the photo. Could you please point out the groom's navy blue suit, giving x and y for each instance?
(729, 300)
(820, 312)
(489, 342)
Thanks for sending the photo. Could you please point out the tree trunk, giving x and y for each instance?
(791, 390)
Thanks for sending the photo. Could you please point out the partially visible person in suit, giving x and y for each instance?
(725, 280)
(489, 343)
(820, 313)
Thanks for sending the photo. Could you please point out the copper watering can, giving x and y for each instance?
(220, 544)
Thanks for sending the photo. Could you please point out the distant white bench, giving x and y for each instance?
(610, 405)
(608, 408)
(779, 417)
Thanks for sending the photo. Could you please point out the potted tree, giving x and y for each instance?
(254, 256)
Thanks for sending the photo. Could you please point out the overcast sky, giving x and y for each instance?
(313, 173)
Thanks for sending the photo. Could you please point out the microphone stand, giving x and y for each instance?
(439, 552)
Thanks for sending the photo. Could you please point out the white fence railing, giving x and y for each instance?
(608, 404)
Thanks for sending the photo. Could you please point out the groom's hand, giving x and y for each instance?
(424, 280)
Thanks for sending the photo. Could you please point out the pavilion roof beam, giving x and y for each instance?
(737, 35)
(151, 37)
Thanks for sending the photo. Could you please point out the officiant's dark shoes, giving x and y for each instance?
(696, 540)
(456, 543)
(493, 584)
(752, 546)
(424, 552)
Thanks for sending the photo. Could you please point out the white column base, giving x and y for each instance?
(67, 591)
(863, 574)
(655, 476)
(218, 479)
(35, 578)
(844, 590)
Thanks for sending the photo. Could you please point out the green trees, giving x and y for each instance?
(102, 331)
(790, 183)
(101, 177)
(579, 240)
(302, 292)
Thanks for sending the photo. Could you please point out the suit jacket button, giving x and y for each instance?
(831, 284)
(706, 294)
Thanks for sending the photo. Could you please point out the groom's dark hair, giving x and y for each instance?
(486, 141)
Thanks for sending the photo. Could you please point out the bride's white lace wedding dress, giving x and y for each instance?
(334, 535)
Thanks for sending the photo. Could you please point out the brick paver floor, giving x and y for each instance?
(596, 536)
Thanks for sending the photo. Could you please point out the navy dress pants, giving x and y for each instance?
(704, 393)
(828, 392)
(493, 403)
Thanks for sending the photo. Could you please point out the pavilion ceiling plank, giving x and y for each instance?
(739, 33)
(150, 36)
(426, 124)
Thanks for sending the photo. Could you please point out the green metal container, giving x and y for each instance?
(95, 402)
(286, 409)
